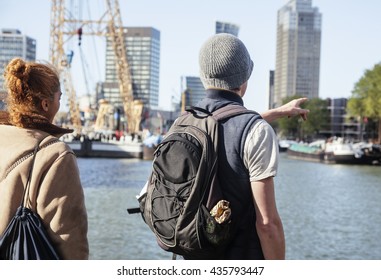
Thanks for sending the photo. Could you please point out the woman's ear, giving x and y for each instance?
(45, 105)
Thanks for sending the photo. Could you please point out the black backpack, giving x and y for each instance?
(183, 187)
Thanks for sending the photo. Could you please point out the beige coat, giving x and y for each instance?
(56, 192)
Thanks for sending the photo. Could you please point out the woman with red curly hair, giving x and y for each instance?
(56, 192)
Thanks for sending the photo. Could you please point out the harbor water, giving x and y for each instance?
(329, 212)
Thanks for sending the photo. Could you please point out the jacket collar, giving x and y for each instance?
(35, 121)
(221, 94)
(217, 98)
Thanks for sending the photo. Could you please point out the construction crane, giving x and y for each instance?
(61, 61)
(64, 27)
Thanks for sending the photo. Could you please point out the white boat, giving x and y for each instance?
(339, 151)
(284, 144)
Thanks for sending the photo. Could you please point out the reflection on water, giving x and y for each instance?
(110, 188)
(328, 211)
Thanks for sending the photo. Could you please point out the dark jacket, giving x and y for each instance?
(236, 186)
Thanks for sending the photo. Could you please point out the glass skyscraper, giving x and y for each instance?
(226, 27)
(194, 91)
(143, 55)
(297, 51)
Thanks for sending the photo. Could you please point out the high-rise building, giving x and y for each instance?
(298, 51)
(143, 55)
(340, 124)
(226, 27)
(194, 91)
(14, 44)
(271, 88)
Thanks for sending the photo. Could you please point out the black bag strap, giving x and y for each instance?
(231, 111)
(223, 112)
(194, 110)
(27, 186)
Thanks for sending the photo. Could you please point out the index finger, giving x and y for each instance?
(301, 100)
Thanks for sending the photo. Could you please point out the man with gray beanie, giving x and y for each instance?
(248, 151)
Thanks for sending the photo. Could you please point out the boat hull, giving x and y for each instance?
(350, 159)
(316, 157)
(100, 149)
(340, 153)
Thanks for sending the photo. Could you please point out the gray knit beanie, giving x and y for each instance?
(224, 62)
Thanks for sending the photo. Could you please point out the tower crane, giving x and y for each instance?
(64, 27)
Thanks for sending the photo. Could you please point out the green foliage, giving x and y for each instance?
(366, 96)
(318, 118)
(355, 106)
(289, 127)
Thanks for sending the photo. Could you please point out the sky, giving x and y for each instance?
(351, 39)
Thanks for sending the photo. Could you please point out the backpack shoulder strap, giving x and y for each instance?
(221, 113)
(195, 110)
(231, 111)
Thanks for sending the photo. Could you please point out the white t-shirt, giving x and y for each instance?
(261, 151)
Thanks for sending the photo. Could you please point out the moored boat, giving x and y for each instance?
(339, 151)
(310, 152)
(284, 144)
(336, 150)
(109, 149)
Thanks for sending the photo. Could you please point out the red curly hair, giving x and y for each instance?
(28, 83)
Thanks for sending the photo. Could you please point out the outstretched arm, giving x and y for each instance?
(290, 109)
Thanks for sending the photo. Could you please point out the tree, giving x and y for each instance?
(288, 127)
(365, 101)
(318, 118)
